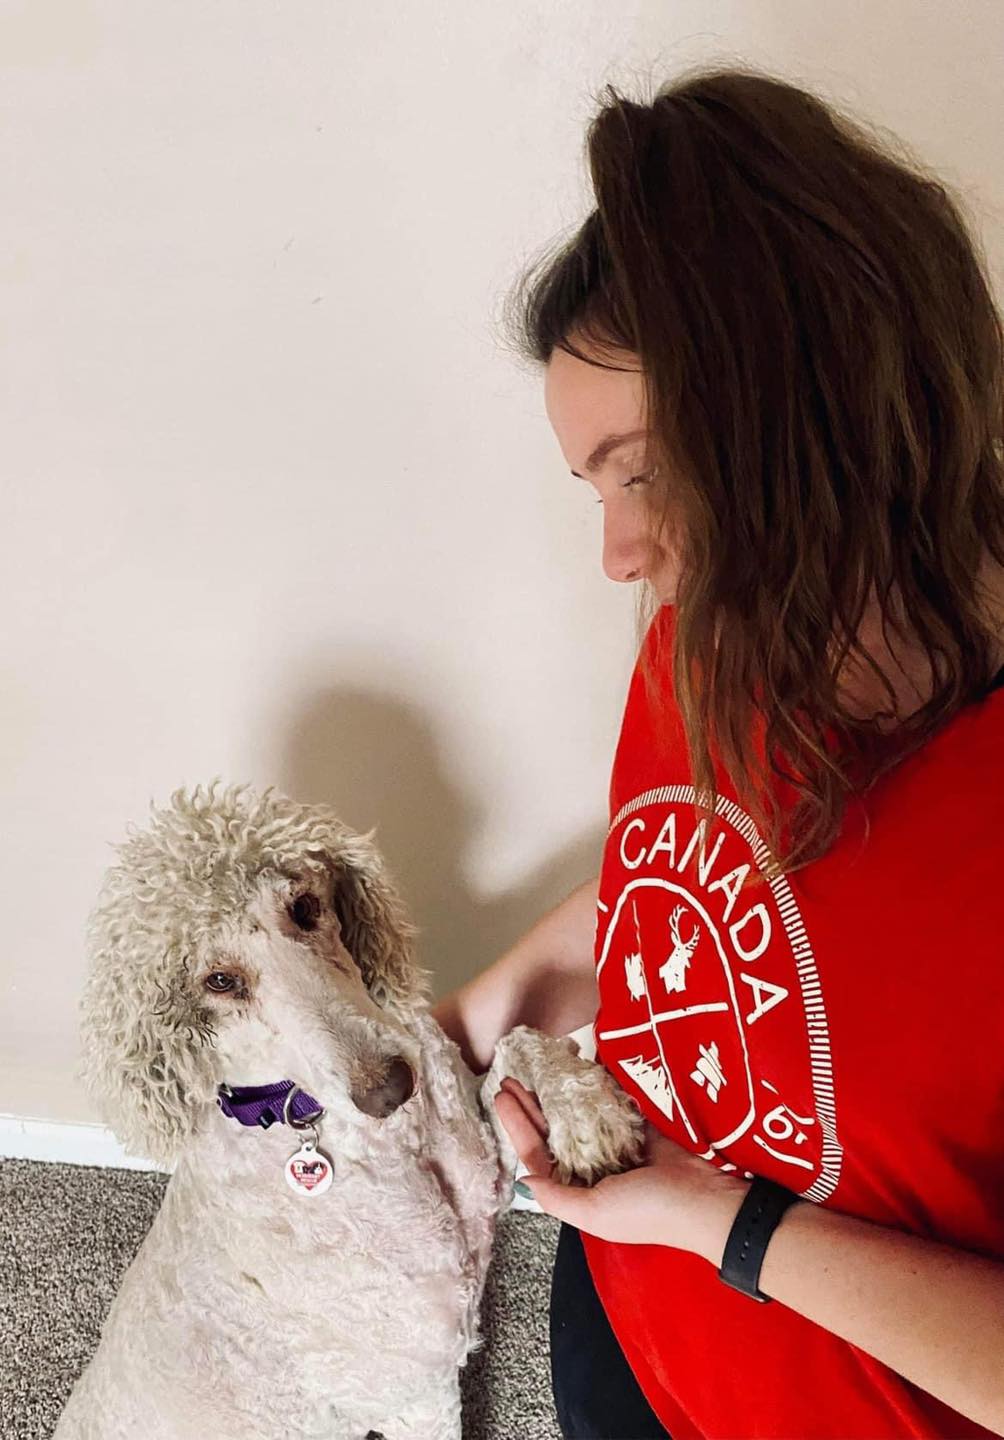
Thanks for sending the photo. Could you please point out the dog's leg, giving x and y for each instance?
(595, 1128)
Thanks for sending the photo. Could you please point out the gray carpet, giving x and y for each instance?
(68, 1232)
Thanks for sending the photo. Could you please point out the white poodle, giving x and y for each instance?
(254, 1016)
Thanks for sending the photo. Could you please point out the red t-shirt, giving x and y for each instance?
(840, 1031)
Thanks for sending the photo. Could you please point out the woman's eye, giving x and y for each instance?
(635, 480)
(640, 479)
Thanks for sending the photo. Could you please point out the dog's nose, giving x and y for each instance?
(390, 1092)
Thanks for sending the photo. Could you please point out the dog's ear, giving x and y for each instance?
(148, 1057)
(375, 927)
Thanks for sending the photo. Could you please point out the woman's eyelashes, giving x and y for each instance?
(645, 479)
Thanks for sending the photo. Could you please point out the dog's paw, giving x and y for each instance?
(594, 1127)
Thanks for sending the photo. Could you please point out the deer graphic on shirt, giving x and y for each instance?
(672, 972)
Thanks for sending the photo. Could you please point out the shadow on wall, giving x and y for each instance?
(375, 761)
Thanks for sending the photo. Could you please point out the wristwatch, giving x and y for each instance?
(764, 1204)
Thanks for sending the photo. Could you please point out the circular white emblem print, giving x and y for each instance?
(711, 1012)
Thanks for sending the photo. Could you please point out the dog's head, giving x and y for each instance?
(242, 938)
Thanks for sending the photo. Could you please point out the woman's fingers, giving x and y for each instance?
(529, 1102)
(525, 1133)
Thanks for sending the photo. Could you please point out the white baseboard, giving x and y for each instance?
(64, 1142)
(69, 1143)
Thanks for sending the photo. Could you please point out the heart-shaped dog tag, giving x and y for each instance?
(308, 1171)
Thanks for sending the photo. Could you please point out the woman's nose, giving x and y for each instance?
(625, 551)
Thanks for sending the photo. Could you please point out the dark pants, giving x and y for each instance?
(595, 1393)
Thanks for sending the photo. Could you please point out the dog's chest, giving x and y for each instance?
(418, 1213)
(405, 1229)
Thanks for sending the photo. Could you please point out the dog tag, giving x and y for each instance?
(308, 1170)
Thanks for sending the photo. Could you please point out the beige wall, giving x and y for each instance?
(276, 506)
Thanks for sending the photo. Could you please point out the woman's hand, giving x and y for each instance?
(672, 1198)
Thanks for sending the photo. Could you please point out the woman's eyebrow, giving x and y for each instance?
(606, 447)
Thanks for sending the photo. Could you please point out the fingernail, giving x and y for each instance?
(524, 1190)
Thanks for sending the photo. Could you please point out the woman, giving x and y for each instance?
(797, 967)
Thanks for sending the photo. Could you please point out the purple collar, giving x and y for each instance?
(264, 1105)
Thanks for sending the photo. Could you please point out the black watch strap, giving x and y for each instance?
(762, 1208)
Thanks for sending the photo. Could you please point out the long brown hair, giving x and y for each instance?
(823, 369)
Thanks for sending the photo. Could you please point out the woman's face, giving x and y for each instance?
(587, 405)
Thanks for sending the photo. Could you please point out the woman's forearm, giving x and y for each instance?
(546, 980)
(931, 1312)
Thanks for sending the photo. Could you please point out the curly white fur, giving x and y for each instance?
(251, 1312)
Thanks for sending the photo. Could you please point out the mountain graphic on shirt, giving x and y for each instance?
(653, 1080)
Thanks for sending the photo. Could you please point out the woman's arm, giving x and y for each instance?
(547, 980)
(930, 1312)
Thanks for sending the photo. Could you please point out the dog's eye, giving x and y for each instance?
(304, 911)
(220, 981)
